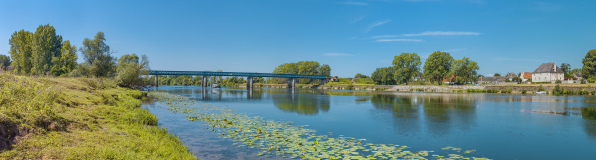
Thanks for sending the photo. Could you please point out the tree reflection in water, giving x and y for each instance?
(439, 112)
(305, 103)
(589, 113)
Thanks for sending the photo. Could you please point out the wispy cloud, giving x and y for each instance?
(336, 54)
(354, 3)
(371, 26)
(510, 59)
(453, 50)
(443, 33)
(399, 40)
(358, 18)
(544, 6)
(384, 36)
(429, 33)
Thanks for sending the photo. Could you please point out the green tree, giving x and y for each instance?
(358, 75)
(325, 70)
(97, 56)
(589, 68)
(304, 68)
(20, 51)
(130, 69)
(575, 70)
(466, 69)
(497, 74)
(383, 76)
(437, 66)
(46, 45)
(4, 61)
(566, 68)
(405, 66)
(67, 61)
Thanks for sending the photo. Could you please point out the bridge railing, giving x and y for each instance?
(239, 74)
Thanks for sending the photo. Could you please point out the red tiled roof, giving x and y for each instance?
(527, 75)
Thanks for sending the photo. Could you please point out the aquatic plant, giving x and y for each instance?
(285, 139)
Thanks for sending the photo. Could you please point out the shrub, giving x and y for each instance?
(411, 89)
(420, 82)
(558, 82)
(524, 91)
(558, 90)
(593, 92)
(420, 89)
(540, 88)
(349, 87)
(508, 90)
(583, 81)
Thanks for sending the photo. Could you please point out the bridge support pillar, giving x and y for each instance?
(291, 83)
(156, 80)
(204, 82)
(249, 83)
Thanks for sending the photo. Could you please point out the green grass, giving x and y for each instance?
(79, 118)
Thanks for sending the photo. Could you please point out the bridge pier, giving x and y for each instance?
(204, 82)
(249, 84)
(156, 80)
(291, 83)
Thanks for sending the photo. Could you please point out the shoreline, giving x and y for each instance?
(80, 118)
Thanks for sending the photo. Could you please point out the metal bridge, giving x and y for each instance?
(205, 74)
(239, 74)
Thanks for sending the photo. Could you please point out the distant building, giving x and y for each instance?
(578, 76)
(524, 76)
(547, 72)
(492, 80)
(419, 77)
(334, 79)
(510, 76)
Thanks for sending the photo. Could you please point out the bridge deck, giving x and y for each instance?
(239, 74)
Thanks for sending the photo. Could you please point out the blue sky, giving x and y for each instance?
(351, 36)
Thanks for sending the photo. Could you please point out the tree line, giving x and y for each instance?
(303, 68)
(44, 52)
(438, 66)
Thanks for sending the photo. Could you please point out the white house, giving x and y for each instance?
(547, 72)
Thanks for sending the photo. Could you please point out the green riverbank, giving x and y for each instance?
(79, 118)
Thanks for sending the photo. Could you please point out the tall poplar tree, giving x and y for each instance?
(405, 66)
(437, 66)
(67, 61)
(97, 55)
(589, 68)
(46, 45)
(20, 51)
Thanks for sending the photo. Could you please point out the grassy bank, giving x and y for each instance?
(79, 118)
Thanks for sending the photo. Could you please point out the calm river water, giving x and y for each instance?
(497, 126)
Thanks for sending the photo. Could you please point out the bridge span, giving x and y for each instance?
(249, 83)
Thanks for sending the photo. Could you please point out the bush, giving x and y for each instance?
(420, 89)
(508, 90)
(420, 82)
(593, 92)
(558, 82)
(524, 91)
(349, 87)
(583, 81)
(540, 88)
(559, 90)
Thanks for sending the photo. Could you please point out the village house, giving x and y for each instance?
(419, 77)
(524, 76)
(578, 76)
(547, 72)
(492, 80)
(510, 76)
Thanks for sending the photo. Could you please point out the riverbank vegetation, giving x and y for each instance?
(50, 108)
(438, 67)
(45, 117)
